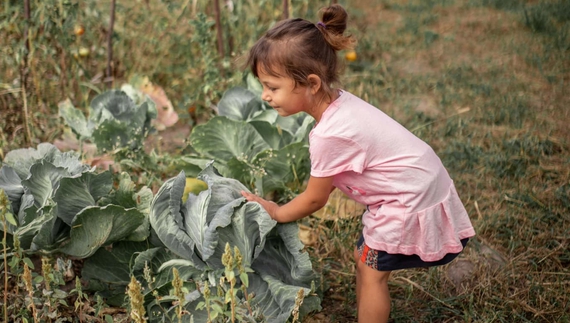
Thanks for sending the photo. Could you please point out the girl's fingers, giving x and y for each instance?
(248, 196)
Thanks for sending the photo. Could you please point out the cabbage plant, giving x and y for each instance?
(63, 205)
(118, 119)
(250, 142)
(198, 230)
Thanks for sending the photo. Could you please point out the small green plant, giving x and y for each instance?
(82, 298)
(240, 307)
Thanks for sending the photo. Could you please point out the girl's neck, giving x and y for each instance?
(323, 103)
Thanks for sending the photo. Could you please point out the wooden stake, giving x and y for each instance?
(219, 28)
(24, 71)
(285, 9)
(110, 46)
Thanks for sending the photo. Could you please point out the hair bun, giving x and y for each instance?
(334, 19)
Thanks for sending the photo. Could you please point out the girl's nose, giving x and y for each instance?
(265, 96)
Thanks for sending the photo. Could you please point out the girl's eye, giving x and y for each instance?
(272, 89)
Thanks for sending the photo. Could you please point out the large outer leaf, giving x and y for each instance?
(118, 104)
(44, 180)
(10, 182)
(253, 84)
(26, 232)
(22, 159)
(283, 268)
(222, 138)
(275, 137)
(239, 104)
(112, 134)
(285, 166)
(75, 194)
(116, 265)
(109, 271)
(162, 220)
(74, 118)
(127, 196)
(95, 226)
(51, 233)
(108, 267)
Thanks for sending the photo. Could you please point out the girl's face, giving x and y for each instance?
(283, 96)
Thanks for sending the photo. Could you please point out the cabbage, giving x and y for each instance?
(57, 202)
(198, 230)
(117, 119)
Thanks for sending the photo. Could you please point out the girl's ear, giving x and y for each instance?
(314, 83)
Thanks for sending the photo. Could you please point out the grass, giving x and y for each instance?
(484, 82)
(508, 154)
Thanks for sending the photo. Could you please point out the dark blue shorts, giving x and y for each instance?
(383, 261)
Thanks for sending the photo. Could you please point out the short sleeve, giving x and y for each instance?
(333, 155)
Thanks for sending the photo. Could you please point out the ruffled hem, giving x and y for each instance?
(431, 233)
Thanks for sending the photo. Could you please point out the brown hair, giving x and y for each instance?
(300, 48)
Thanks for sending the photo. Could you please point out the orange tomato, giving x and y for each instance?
(351, 56)
(79, 30)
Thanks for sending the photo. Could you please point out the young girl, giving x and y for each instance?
(414, 216)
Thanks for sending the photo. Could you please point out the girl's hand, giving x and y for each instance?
(269, 206)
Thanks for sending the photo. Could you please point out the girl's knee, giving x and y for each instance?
(372, 275)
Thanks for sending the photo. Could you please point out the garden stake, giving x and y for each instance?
(110, 45)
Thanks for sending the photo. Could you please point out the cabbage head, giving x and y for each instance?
(118, 119)
(198, 230)
(63, 205)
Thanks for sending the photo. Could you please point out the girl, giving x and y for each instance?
(414, 216)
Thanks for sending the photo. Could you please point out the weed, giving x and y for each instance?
(136, 301)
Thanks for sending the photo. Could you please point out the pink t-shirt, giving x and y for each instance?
(413, 207)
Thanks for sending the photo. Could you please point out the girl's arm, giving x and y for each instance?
(312, 199)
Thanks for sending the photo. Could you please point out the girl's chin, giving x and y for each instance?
(281, 112)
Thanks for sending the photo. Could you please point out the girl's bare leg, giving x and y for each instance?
(372, 294)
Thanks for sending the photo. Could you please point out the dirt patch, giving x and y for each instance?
(171, 139)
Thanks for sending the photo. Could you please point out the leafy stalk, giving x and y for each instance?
(207, 294)
(228, 262)
(298, 303)
(137, 301)
(177, 284)
(29, 287)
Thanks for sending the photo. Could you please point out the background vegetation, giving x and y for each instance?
(485, 82)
